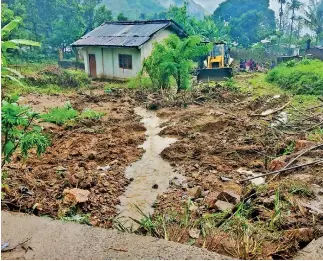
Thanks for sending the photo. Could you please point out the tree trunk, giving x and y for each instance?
(291, 28)
(280, 16)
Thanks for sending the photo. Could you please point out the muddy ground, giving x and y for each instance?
(223, 137)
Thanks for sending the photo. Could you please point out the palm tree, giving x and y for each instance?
(293, 6)
(314, 17)
(281, 13)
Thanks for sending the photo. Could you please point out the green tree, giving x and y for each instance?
(101, 15)
(249, 21)
(121, 17)
(281, 13)
(174, 58)
(314, 17)
(293, 6)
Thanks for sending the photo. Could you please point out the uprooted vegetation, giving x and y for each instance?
(303, 77)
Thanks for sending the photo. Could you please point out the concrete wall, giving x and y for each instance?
(107, 58)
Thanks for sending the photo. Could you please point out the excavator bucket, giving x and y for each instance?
(214, 74)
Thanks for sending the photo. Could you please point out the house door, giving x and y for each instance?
(92, 63)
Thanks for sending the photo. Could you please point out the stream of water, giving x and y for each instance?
(151, 174)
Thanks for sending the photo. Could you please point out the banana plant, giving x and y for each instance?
(7, 72)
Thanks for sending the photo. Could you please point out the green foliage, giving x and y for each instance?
(301, 189)
(72, 215)
(91, 114)
(6, 72)
(60, 115)
(301, 78)
(57, 76)
(173, 58)
(289, 149)
(122, 17)
(316, 135)
(101, 15)
(19, 131)
(249, 21)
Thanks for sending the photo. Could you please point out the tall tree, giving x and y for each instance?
(281, 13)
(101, 15)
(314, 17)
(293, 6)
(249, 21)
(122, 17)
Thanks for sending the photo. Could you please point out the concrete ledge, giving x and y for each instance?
(52, 239)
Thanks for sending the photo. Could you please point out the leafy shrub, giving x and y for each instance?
(60, 115)
(140, 82)
(91, 114)
(19, 131)
(63, 77)
(305, 77)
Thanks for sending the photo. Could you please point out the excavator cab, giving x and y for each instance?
(216, 65)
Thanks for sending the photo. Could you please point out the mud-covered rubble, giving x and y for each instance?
(75, 160)
(217, 141)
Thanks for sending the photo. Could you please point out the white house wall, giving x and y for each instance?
(147, 48)
(107, 58)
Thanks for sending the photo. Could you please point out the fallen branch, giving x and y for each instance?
(297, 157)
(269, 112)
(13, 248)
(282, 170)
(313, 127)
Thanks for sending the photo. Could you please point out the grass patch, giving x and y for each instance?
(304, 77)
(91, 114)
(316, 135)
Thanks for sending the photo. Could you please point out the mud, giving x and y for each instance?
(150, 175)
(215, 134)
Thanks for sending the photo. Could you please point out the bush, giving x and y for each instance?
(60, 115)
(63, 77)
(139, 82)
(18, 130)
(304, 77)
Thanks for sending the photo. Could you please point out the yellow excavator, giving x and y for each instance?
(216, 65)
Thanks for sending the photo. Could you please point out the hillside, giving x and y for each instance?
(133, 8)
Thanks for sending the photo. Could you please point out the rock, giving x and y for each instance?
(193, 208)
(195, 192)
(269, 202)
(223, 205)
(211, 199)
(60, 168)
(256, 164)
(313, 251)
(82, 164)
(194, 233)
(105, 168)
(75, 195)
(224, 179)
(91, 155)
(303, 144)
(155, 186)
(278, 163)
(229, 196)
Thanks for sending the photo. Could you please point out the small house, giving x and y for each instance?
(117, 50)
(316, 52)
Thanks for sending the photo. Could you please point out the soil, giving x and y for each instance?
(218, 132)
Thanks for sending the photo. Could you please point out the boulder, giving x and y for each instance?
(75, 195)
(229, 196)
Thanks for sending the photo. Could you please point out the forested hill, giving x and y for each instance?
(134, 8)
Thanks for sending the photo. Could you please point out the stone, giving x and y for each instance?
(91, 155)
(155, 186)
(211, 199)
(278, 163)
(82, 164)
(223, 205)
(269, 202)
(194, 233)
(195, 192)
(256, 164)
(229, 196)
(303, 144)
(75, 195)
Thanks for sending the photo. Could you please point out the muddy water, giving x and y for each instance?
(150, 170)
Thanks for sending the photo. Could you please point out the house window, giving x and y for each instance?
(125, 61)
